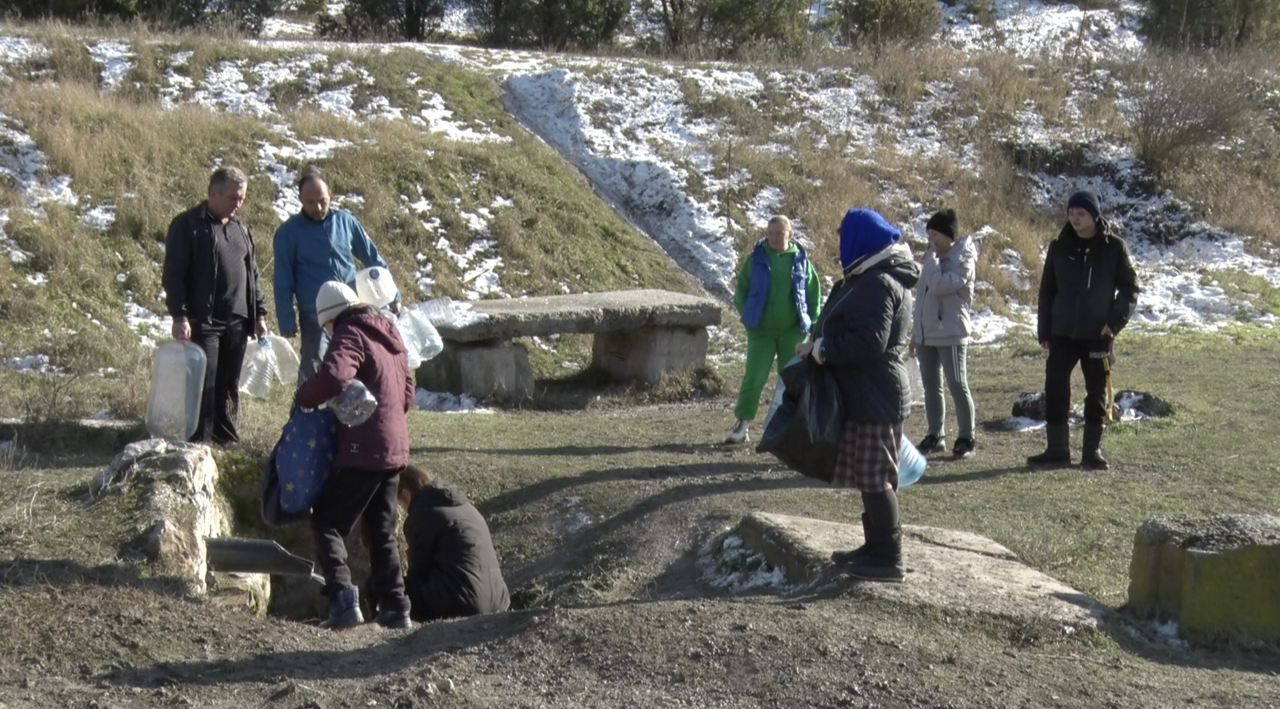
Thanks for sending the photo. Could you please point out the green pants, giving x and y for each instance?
(762, 348)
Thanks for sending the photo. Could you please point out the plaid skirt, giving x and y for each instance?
(867, 459)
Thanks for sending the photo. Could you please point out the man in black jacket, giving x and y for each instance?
(1087, 294)
(211, 290)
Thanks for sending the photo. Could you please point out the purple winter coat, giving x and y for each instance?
(367, 346)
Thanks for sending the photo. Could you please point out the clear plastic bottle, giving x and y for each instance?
(286, 359)
(354, 405)
(260, 369)
(177, 386)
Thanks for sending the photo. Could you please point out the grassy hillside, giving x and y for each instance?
(147, 154)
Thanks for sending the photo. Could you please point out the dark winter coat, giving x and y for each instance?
(367, 346)
(190, 272)
(1087, 284)
(862, 336)
(453, 568)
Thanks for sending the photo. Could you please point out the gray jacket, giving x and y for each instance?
(944, 297)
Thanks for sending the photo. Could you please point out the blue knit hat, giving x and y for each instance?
(862, 232)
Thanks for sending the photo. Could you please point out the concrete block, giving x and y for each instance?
(488, 369)
(648, 353)
(1217, 576)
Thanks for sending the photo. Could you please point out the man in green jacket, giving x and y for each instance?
(778, 297)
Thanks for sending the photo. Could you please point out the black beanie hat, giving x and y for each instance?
(1086, 200)
(944, 222)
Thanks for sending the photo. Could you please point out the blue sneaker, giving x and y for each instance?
(394, 620)
(344, 609)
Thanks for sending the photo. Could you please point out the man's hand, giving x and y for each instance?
(803, 349)
(289, 334)
(260, 328)
(181, 329)
(1107, 333)
(911, 350)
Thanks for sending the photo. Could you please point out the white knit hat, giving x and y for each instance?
(333, 298)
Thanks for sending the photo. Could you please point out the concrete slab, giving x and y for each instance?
(614, 311)
(945, 569)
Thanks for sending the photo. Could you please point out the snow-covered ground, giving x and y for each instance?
(626, 125)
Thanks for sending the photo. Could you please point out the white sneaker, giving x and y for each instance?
(739, 434)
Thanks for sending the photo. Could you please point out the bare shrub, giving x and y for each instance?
(1180, 105)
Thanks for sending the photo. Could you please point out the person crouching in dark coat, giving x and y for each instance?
(453, 567)
(862, 336)
(367, 346)
(1088, 292)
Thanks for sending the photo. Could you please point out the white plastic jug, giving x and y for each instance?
(375, 286)
(287, 362)
(177, 386)
(421, 339)
(354, 405)
(260, 369)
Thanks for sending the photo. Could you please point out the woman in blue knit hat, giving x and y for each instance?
(1088, 292)
(862, 335)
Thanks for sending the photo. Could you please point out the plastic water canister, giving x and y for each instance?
(177, 386)
(354, 405)
(375, 286)
(421, 339)
(911, 464)
(286, 359)
(260, 369)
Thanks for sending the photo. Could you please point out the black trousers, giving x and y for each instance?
(224, 345)
(370, 497)
(1063, 356)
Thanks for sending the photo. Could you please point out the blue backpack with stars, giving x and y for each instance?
(302, 460)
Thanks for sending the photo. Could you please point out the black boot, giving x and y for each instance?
(882, 558)
(884, 562)
(1092, 454)
(1058, 452)
(849, 557)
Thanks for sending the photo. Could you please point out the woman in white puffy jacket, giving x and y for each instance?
(940, 331)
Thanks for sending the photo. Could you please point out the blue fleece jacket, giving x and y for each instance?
(308, 253)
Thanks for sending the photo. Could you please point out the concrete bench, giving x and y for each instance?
(639, 334)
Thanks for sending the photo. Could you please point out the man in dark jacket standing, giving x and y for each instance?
(453, 567)
(1087, 294)
(211, 290)
(363, 345)
(862, 337)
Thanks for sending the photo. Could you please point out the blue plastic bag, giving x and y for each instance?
(304, 457)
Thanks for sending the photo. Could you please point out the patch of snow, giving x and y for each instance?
(272, 159)
(37, 278)
(439, 119)
(737, 568)
(445, 402)
(150, 327)
(36, 363)
(116, 59)
(100, 217)
(1023, 423)
(1033, 28)
(22, 162)
(277, 27)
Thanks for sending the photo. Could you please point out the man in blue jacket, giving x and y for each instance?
(318, 244)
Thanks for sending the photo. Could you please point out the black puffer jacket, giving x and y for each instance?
(1087, 284)
(864, 329)
(453, 568)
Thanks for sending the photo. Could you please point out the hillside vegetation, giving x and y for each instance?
(436, 149)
